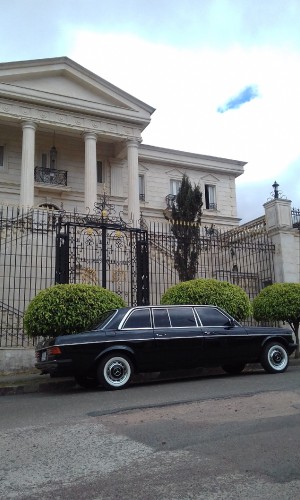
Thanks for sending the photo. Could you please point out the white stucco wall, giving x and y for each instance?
(71, 158)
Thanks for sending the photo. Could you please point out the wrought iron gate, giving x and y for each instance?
(111, 255)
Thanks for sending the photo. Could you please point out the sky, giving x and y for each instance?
(223, 75)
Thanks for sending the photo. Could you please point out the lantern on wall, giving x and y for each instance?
(53, 154)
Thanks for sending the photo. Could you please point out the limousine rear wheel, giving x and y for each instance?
(275, 358)
(115, 371)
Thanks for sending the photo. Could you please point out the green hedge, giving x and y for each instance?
(229, 297)
(67, 309)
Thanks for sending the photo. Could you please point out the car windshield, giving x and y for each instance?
(104, 319)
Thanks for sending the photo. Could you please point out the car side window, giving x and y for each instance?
(140, 318)
(161, 318)
(182, 317)
(210, 316)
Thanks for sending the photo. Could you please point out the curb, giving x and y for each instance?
(32, 386)
(11, 385)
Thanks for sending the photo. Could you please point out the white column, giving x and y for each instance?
(133, 181)
(27, 165)
(90, 178)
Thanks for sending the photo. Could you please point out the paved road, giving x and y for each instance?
(209, 438)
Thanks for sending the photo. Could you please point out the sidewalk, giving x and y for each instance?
(26, 383)
(23, 383)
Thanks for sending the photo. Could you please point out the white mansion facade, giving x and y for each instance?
(67, 136)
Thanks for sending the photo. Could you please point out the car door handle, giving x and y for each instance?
(161, 334)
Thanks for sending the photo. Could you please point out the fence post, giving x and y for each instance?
(62, 254)
(142, 259)
(280, 229)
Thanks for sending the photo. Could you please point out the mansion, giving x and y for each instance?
(67, 137)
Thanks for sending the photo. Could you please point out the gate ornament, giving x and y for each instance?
(106, 211)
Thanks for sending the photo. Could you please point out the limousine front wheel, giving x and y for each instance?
(275, 358)
(115, 371)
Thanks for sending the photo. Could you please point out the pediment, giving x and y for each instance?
(61, 82)
(175, 173)
(210, 178)
(142, 168)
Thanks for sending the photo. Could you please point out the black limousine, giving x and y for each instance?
(159, 338)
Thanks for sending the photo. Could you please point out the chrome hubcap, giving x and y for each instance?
(117, 371)
(277, 357)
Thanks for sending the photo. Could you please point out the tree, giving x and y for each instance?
(280, 302)
(68, 309)
(229, 297)
(186, 218)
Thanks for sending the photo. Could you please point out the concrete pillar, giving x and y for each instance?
(90, 177)
(133, 181)
(27, 165)
(280, 229)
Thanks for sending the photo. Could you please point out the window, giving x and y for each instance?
(182, 317)
(161, 318)
(210, 197)
(142, 187)
(1, 156)
(139, 319)
(174, 186)
(212, 317)
(99, 172)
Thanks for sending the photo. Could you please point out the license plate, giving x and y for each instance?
(44, 356)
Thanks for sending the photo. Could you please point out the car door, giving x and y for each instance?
(136, 333)
(224, 340)
(179, 338)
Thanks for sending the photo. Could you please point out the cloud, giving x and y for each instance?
(185, 87)
(246, 95)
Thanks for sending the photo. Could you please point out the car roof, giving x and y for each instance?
(166, 305)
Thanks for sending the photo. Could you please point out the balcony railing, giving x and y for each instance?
(170, 200)
(211, 206)
(50, 176)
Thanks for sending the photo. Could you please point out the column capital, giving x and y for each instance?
(134, 141)
(90, 136)
(29, 124)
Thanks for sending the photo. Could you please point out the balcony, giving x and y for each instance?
(50, 176)
(211, 206)
(170, 200)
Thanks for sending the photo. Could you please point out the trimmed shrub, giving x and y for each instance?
(280, 302)
(67, 309)
(229, 297)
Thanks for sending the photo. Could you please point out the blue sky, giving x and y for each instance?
(223, 75)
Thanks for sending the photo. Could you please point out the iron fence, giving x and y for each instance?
(27, 265)
(242, 256)
(296, 217)
(41, 247)
(137, 264)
